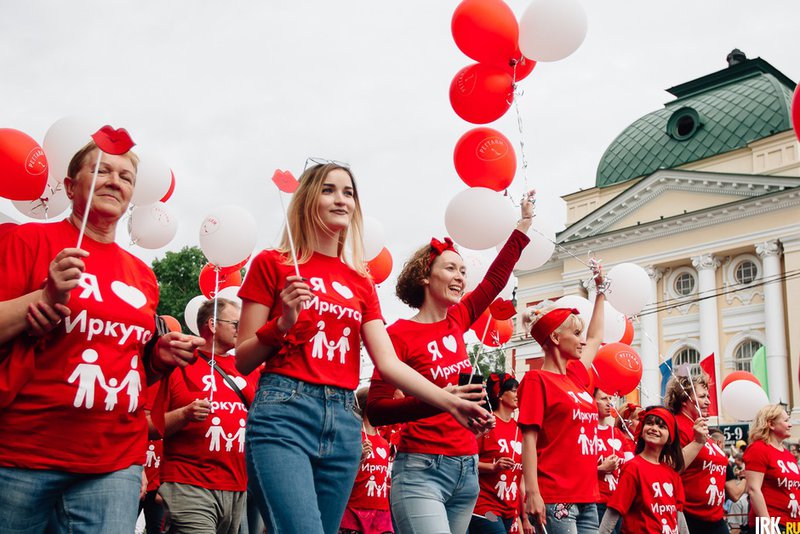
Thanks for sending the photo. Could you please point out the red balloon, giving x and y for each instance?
(739, 375)
(485, 30)
(484, 157)
(225, 271)
(207, 280)
(171, 187)
(524, 66)
(23, 166)
(627, 337)
(481, 93)
(380, 267)
(172, 323)
(618, 368)
(796, 111)
(498, 333)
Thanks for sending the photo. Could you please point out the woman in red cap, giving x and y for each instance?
(650, 492)
(558, 420)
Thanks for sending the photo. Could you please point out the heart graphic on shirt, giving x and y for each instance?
(129, 294)
(628, 456)
(516, 446)
(667, 488)
(450, 342)
(343, 290)
(585, 396)
(614, 443)
(793, 467)
(240, 382)
(381, 452)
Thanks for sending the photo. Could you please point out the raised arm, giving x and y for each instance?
(594, 332)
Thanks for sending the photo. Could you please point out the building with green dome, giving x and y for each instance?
(704, 194)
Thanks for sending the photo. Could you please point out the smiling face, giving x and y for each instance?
(336, 202)
(445, 285)
(567, 338)
(654, 431)
(509, 399)
(116, 178)
(703, 401)
(781, 427)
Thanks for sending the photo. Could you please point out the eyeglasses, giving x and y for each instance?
(234, 323)
(323, 161)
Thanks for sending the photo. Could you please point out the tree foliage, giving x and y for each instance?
(178, 275)
(489, 360)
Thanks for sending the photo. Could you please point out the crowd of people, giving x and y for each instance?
(255, 425)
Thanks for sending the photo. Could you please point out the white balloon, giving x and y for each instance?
(581, 304)
(231, 293)
(190, 313)
(153, 178)
(508, 291)
(64, 138)
(741, 399)
(152, 226)
(51, 204)
(374, 237)
(479, 218)
(541, 247)
(476, 265)
(228, 235)
(613, 324)
(629, 288)
(550, 30)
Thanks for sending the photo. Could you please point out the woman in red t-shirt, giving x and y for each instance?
(303, 432)
(649, 496)
(610, 449)
(771, 472)
(558, 419)
(706, 464)
(435, 474)
(500, 462)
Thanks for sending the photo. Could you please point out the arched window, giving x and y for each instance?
(690, 356)
(743, 355)
(746, 272)
(684, 284)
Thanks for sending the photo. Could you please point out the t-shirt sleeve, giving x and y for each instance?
(372, 307)
(627, 488)
(685, 433)
(680, 495)
(532, 397)
(756, 458)
(261, 280)
(17, 265)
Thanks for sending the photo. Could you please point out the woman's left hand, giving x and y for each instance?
(175, 349)
(42, 317)
(472, 416)
(526, 211)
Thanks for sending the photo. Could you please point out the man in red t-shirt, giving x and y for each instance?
(203, 474)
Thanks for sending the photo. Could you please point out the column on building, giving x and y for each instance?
(707, 265)
(649, 343)
(777, 366)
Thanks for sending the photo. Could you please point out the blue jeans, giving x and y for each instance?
(481, 525)
(303, 446)
(573, 518)
(76, 503)
(433, 493)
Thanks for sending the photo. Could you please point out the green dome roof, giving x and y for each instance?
(714, 114)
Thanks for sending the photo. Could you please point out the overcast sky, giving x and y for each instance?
(227, 92)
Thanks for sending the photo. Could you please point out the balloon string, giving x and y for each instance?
(213, 360)
(518, 92)
(289, 233)
(89, 201)
(480, 350)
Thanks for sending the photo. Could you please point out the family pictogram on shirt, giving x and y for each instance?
(716, 496)
(322, 347)
(88, 374)
(216, 434)
(374, 489)
(151, 458)
(506, 491)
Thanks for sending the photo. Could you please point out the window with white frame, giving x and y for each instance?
(690, 356)
(746, 272)
(743, 354)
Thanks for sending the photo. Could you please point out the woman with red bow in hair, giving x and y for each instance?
(499, 463)
(650, 495)
(558, 419)
(435, 474)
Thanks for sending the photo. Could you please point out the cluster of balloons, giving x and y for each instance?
(33, 179)
(742, 395)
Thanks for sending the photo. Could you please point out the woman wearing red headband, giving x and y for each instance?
(558, 419)
(650, 492)
(435, 474)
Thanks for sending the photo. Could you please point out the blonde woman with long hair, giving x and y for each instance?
(303, 429)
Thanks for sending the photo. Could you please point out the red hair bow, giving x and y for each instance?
(438, 247)
(497, 383)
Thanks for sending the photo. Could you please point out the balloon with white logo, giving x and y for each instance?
(152, 226)
(190, 313)
(228, 235)
(479, 218)
(374, 238)
(628, 288)
(153, 178)
(550, 30)
(742, 399)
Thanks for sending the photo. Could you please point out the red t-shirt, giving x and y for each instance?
(371, 488)
(82, 411)
(704, 478)
(649, 497)
(610, 441)
(210, 453)
(344, 300)
(781, 486)
(565, 415)
(499, 492)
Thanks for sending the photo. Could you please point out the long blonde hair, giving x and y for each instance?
(759, 431)
(304, 220)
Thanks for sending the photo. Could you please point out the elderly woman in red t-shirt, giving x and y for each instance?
(558, 419)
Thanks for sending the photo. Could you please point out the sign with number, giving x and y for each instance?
(734, 433)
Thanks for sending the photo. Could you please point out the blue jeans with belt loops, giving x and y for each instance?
(303, 447)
